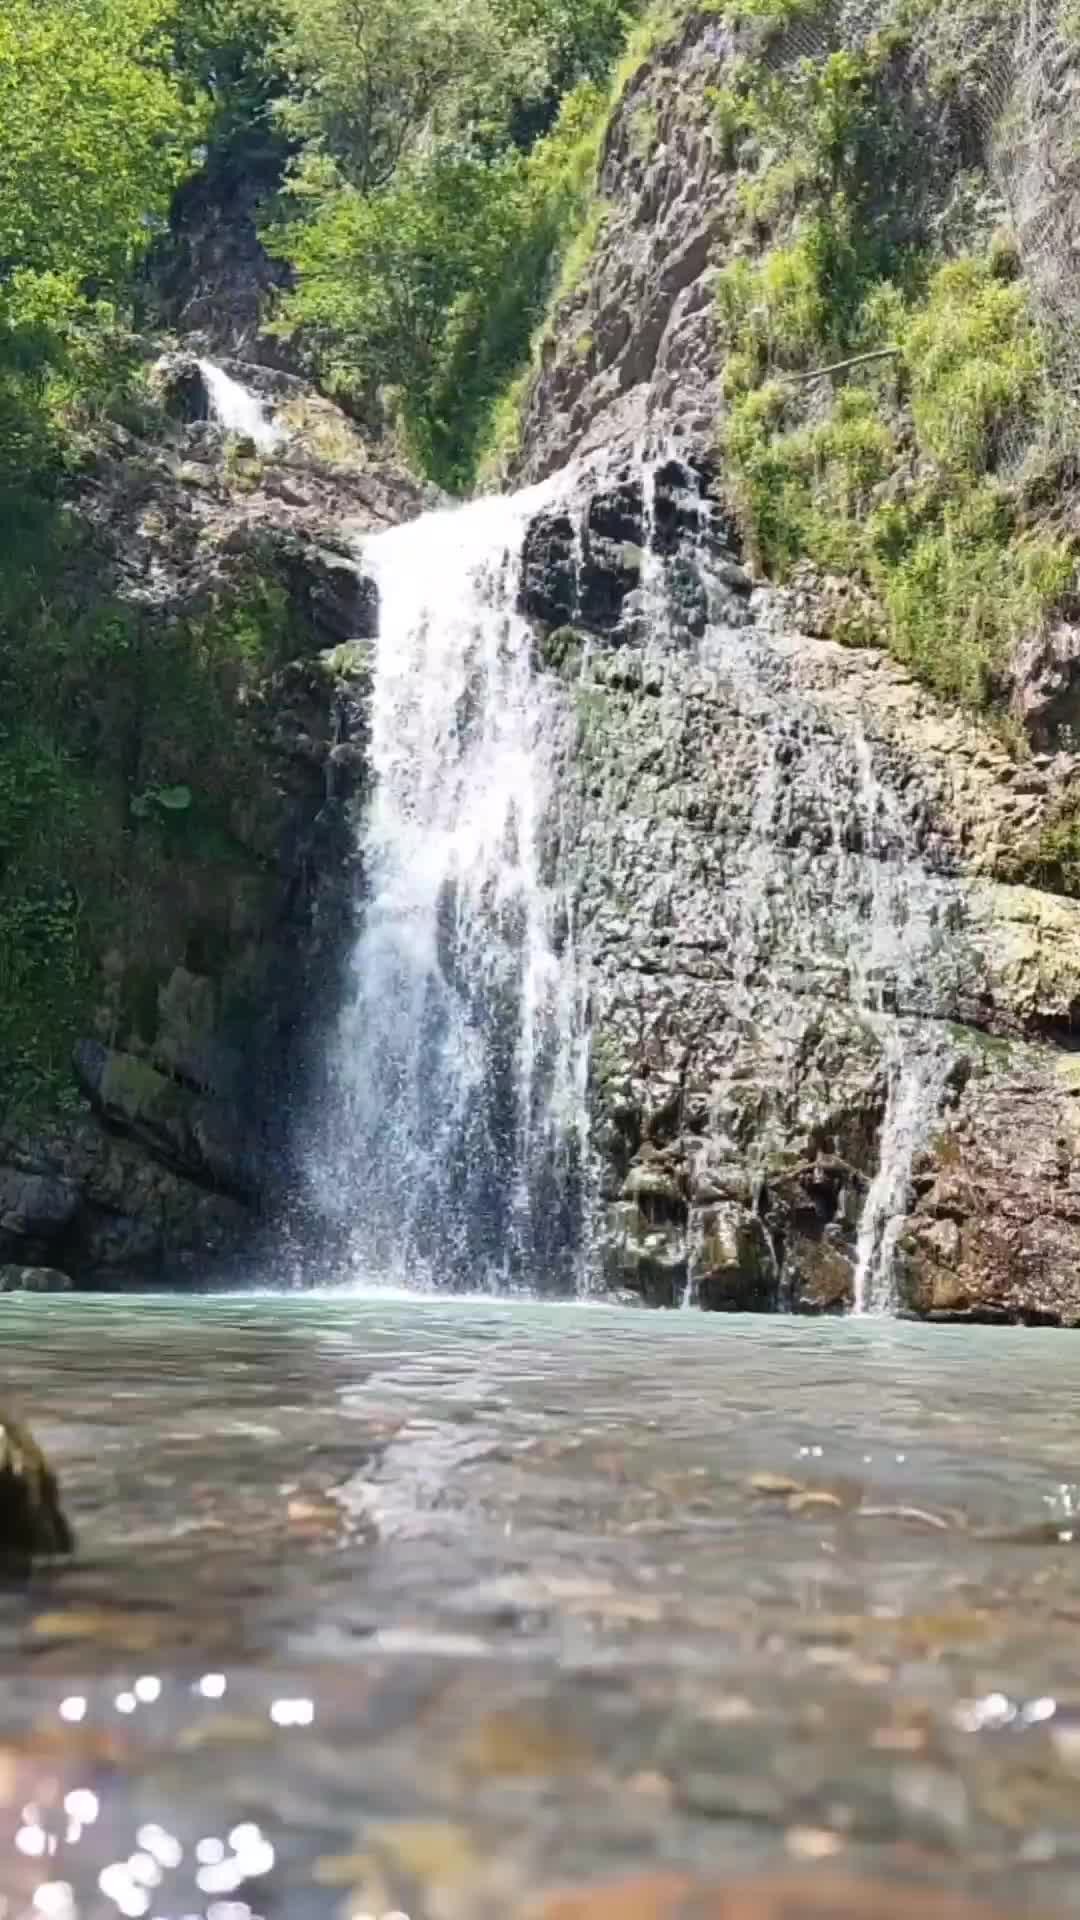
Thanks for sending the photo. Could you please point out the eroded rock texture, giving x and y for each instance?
(808, 974)
(220, 938)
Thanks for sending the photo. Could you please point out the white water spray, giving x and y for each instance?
(903, 900)
(237, 410)
(456, 1116)
(823, 824)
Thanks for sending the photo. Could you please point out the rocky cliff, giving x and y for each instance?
(835, 968)
(214, 874)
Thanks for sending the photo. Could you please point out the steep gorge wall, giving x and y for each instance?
(784, 850)
(217, 754)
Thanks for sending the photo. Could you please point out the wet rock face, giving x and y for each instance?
(209, 1024)
(586, 566)
(782, 857)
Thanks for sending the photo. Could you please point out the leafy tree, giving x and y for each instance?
(94, 135)
(380, 274)
(226, 52)
(440, 143)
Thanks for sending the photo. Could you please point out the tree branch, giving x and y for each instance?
(841, 366)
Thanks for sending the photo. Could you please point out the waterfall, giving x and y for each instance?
(237, 410)
(452, 1146)
(916, 1081)
(826, 890)
(901, 924)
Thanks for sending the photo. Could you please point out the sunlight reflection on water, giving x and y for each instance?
(386, 1600)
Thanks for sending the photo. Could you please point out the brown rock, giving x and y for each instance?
(784, 1896)
(32, 1521)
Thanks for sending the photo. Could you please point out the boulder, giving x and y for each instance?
(14, 1279)
(32, 1521)
(731, 1265)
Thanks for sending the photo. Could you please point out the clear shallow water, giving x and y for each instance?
(401, 1605)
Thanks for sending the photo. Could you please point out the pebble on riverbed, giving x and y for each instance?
(32, 1521)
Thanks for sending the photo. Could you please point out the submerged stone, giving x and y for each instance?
(782, 1896)
(32, 1521)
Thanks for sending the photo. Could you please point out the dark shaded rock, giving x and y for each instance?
(212, 275)
(201, 1137)
(820, 1276)
(1046, 684)
(586, 567)
(731, 1266)
(182, 389)
(32, 1521)
(329, 592)
(561, 651)
(35, 1205)
(549, 579)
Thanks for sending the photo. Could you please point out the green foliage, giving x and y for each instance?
(807, 492)
(122, 740)
(447, 153)
(778, 13)
(381, 273)
(957, 580)
(95, 132)
(432, 287)
(977, 370)
(1052, 860)
(47, 820)
(373, 84)
(956, 577)
(962, 587)
(226, 54)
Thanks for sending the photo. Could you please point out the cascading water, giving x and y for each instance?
(453, 1145)
(901, 935)
(237, 409)
(828, 886)
(455, 1149)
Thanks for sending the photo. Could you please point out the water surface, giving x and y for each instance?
(399, 1604)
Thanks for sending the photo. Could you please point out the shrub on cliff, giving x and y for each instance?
(882, 398)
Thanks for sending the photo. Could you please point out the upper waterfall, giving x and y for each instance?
(237, 409)
(454, 1122)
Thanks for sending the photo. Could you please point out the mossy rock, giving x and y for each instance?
(562, 651)
(32, 1522)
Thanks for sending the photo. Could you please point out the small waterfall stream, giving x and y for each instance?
(237, 410)
(455, 1121)
(906, 912)
(830, 886)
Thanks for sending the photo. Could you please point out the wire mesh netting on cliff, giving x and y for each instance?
(1009, 71)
